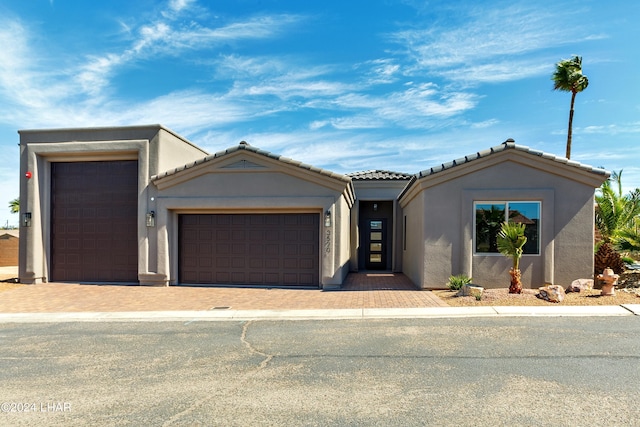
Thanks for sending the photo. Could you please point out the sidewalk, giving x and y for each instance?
(364, 295)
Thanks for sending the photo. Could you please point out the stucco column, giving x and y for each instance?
(328, 245)
(160, 253)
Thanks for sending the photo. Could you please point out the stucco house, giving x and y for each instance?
(143, 205)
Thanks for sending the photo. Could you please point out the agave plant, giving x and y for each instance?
(511, 241)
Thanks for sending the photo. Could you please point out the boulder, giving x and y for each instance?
(551, 293)
(580, 285)
(471, 290)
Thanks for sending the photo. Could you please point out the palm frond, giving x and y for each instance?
(511, 241)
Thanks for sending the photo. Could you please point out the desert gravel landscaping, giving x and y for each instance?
(501, 297)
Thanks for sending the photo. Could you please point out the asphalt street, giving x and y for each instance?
(546, 371)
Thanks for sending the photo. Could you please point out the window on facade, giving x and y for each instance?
(489, 217)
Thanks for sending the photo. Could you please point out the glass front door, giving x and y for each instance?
(375, 246)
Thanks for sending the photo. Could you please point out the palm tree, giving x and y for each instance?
(616, 214)
(14, 205)
(568, 77)
(511, 241)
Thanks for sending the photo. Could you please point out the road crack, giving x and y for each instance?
(201, 402)
(243, 338)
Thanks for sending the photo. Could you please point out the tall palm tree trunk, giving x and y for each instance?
(570, 131)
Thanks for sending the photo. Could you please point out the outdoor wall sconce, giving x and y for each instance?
(327, 218)
(151, 219)
(375, 207)
(26, 219)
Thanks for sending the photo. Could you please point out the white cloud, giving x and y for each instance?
(179, 5)
(166, 38)
(381, 71)
(498, 72)
(488, 42)
(36, 95)
(612, 129)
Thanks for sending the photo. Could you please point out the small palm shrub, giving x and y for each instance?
(458, 281)
(511, 241)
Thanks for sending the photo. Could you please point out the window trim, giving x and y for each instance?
(506, 202)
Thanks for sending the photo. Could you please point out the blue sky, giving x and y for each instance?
(344, 85)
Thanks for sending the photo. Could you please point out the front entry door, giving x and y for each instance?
(375, 244)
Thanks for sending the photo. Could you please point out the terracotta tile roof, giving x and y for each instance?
(245, 146)
(510, 144)
(380, 174)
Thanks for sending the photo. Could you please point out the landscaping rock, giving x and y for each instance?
(471, 290)
(551, 293)
(580, 285)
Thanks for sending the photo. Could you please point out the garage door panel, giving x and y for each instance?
(272, 278)
(256, 277)
(259, 249)
(272, 249)
(238, 277)
(271, 236)
(256, 263)
(220, 277)
(306, 264)
(306, 236)
(306, 279)
(271, 263)
(307, 250)
(290, 263)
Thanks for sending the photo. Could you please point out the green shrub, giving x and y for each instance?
(628, 260)
(458, 281)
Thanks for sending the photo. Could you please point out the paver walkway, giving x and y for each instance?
(361, 290)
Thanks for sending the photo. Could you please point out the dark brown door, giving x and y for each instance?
(249, 249)
(94, 235)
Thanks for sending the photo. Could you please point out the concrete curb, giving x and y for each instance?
(365, 313)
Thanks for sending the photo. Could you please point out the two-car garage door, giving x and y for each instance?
(249, 249)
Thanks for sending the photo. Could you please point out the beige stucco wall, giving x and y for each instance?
(171, 150)
(444, 207)
(413, 264)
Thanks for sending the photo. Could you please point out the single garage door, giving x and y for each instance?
(249, 249)
(94, 235)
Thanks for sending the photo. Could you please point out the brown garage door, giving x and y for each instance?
(249, 249)
(94, 234)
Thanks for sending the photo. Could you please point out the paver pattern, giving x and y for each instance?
(360, 290)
